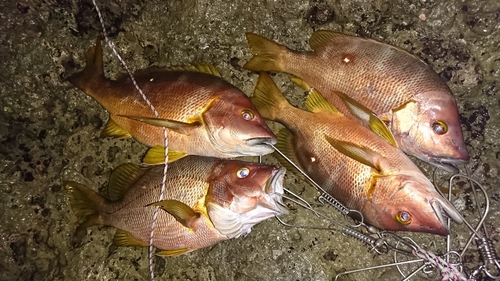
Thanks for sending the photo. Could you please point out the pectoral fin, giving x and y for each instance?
(113, 130)
(369, 118)
(156, 155)
(182, 212)
(123, 239)
(355, 152)
(173, 253)
(177, 126)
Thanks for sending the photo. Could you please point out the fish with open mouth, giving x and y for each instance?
(349, 161)
(399, 88)
(204, 114)
(206, 200)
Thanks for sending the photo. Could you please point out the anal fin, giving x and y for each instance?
(284, 145)
(156, 155)
(113, 130)
(173, 253)
(123, 239)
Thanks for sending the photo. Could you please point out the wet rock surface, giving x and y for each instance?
(49, 130)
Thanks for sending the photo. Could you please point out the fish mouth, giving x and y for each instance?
(275, 190)
(443, 211)
(449, 164)
(261, 141)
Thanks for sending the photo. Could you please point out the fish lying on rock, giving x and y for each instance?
(361, 170)
(206, 200)
(205, 114)
(399, 88)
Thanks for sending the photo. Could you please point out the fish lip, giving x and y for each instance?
(444, 212)
(449, 164)
(274, 188)
(438, 211)
(261, 141)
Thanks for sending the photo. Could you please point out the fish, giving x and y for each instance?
(402, 90)
(350, 162)
(206, 200)
(204, 114)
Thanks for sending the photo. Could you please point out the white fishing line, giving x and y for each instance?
(165, 134)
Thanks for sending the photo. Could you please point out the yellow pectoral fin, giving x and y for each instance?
(173, 253)
(177, 126)
(182, 212)
(378, 127)
(113, 130)
(368, 117)
(123, 239)
(360, 154)
(156, 155)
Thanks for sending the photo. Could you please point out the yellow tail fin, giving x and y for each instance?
(85, 203)
(93, 71)
(267, 98)
(268, 55)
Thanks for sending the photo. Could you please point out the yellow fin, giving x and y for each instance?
(322, 37)
(355, 152)
(203, 68)
(268, 55)
(315, 102)
(123, 239)
(156, 155)
(85, 203)
(284, 144)
(173, 253)
(122, 178)
(113, 130)
(182, 212)
(177, 126)
(369, 118)
(267, 98)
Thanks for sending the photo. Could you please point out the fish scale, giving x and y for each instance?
(204, 114)
(205, 202)
(354, 165)
(399, 88)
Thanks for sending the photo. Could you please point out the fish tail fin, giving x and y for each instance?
(93, 73)
(267, 98)
(85, 203)
(268, 55)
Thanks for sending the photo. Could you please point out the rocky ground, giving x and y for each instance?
(49, 130)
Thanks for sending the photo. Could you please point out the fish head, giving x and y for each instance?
(430, 130)
(236, 128)
(242, 194)
(413, 206)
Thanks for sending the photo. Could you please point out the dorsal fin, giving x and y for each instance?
(203, 68)
(315, 102)
(321, 37)
(122, 178)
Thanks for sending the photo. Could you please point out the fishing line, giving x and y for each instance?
(165, 135)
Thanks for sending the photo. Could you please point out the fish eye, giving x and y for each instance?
(247, 114)
(439, 127)
(242, 172)
(403, 217)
